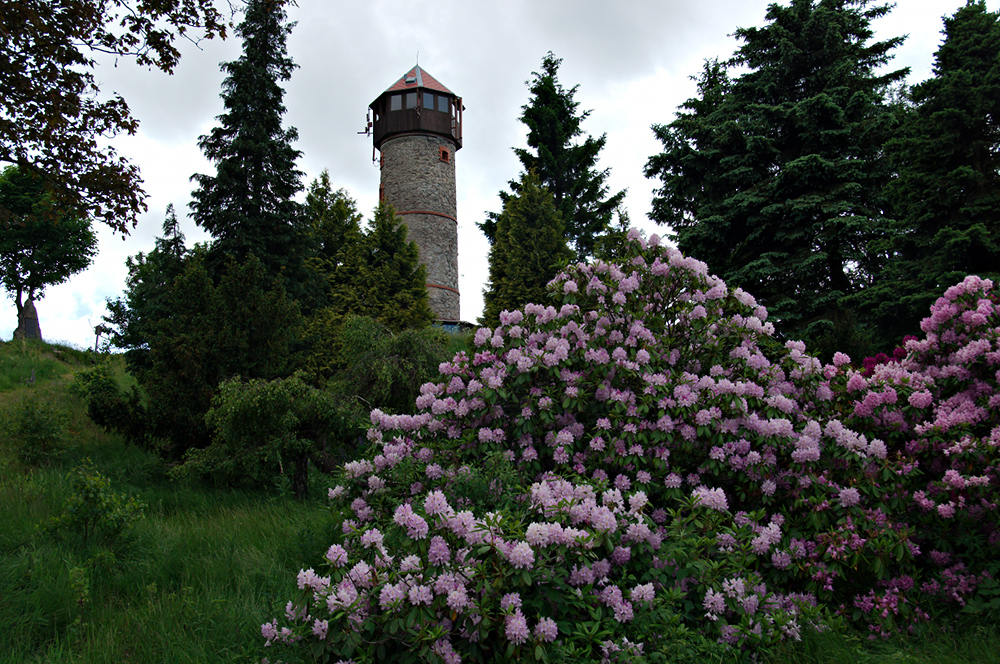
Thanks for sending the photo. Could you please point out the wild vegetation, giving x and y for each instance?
(633, 460)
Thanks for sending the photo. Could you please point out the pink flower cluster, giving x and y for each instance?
(651, 395)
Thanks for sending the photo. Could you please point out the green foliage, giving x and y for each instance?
(110, 406)
(28, 363)
(528, 249)
(53, 115)
(133, 318)
(266, 430)
(385, 369)
(248, 206)
(40, 245)
(775, 178)
(947, 193)
(95, 513)
(333, 220)
(245, 326)
(376, 273)
(37, 430)
(562, 163)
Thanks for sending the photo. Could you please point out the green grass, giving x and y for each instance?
(963, 644)
(197, 576)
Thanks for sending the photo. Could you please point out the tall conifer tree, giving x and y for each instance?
(248, 204)
(564, 165)
(947, 194)
(530, 243)
(796, 145)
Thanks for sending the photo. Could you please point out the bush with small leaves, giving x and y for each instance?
(96, 514)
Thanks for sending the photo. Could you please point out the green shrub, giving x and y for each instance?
(109, 406)
(266, 432)
(95, 513)
(386, 369)
(37, 430)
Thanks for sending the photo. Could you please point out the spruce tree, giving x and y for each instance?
(134, 318)
(947, 194)
(530, 245)
(797, 145)
(376, 273)
(248, 205)
(565, 165)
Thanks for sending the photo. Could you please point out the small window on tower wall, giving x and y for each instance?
(445, 154)
(381, 192)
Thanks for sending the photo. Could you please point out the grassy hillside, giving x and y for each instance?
(191, 580)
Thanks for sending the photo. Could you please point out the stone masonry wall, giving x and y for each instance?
(417, 182)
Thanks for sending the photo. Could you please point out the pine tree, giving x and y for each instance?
(248, 205)
(564, 165)
(947, 194)
(333, 219)
(797, 144)
(530, 245)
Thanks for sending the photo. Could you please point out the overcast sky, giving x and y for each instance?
(632, 60)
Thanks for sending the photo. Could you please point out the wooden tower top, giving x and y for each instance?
(417, 103)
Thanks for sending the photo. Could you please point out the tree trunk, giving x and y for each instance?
(27, 322)
(300, 476)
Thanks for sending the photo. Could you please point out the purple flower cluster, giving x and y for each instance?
(649, 420)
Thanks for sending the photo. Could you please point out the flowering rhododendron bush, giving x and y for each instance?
(648, 459)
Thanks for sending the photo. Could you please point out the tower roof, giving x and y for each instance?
(418, 78)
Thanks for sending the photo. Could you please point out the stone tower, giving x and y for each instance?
(417, 128)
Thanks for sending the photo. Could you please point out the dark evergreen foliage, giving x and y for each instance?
(376, 273)
(775, 178)
(133, 318)
(245, 326)
(385, 369)
(947, 194)
(333, 222)
(40, 244)
(565, 165)
(248, 205)
(529, 247)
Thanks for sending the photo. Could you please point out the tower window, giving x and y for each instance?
(396, 103)
(411, 99)
(442, 103)
(381, 192)
(445, 154)
(429, 101)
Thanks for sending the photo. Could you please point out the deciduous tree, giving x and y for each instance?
(40, 245)
(51, 115)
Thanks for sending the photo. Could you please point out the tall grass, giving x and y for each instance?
(194, 580)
